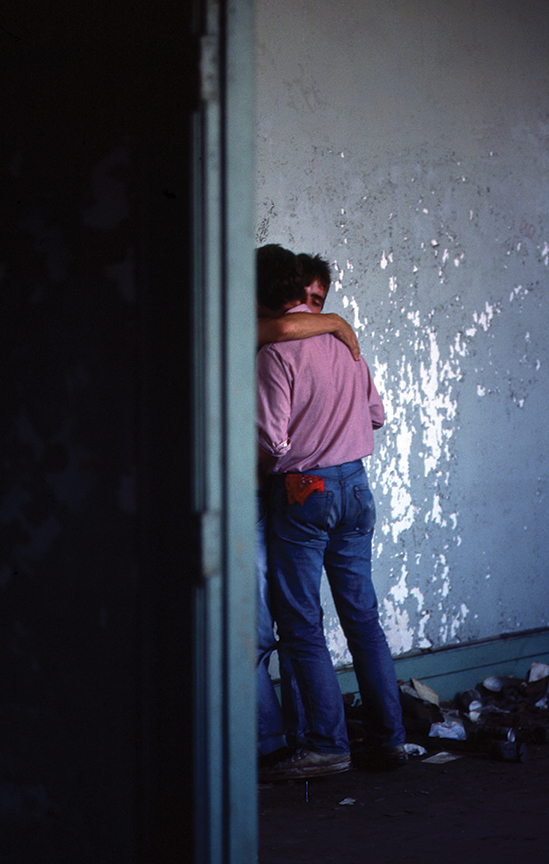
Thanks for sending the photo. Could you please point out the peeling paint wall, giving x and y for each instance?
(409, 144)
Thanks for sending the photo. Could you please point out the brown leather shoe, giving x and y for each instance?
(307, 763)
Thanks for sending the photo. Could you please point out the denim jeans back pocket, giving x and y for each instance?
(300, 523)
(364, 510)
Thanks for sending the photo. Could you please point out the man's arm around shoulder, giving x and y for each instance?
(303, 325)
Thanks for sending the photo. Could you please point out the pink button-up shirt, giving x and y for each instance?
(317, 407)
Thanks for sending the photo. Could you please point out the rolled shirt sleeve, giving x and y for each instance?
(377, 412)
(274, 402)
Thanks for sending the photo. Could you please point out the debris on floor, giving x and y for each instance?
(496, 719)
(415, 750)
(442, 757)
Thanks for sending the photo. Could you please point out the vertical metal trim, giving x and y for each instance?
(240, 450)
(224, 445)
(207, 453)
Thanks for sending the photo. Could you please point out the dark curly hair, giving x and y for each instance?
(279, 275)
(315, 267)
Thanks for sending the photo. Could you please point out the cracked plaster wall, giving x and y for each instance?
(409, 144)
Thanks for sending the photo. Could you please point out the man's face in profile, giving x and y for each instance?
(315, 296)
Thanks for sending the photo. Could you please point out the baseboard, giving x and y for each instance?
(456, 668)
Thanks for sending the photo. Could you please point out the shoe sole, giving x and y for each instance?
(305, 773)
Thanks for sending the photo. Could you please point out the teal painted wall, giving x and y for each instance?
(409, 143)
(453, 670)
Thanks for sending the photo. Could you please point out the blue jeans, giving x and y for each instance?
(274, 730)
(270, 729)
(333, 529)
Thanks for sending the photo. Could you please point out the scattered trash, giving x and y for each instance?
(451, 727)
(497, 718)
(497, 685)
(538, 671)
(442, 756)
(470, 701)
(493, 684)
(415, 750)
(424, 692)
(508, 751)
(348, 801)
(496, 733)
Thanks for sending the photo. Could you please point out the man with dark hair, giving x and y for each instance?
(279, 276)
(284, 278)
(317, 279)
(272, 325)
(316, 413)
(279, 282)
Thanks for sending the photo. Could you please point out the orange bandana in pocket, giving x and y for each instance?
(300, 486)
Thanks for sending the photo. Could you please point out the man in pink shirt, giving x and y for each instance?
(278, 731)
(317, 408)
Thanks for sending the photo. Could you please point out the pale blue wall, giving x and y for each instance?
(409, 143)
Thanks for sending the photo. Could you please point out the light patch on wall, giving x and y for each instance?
(437, 408)
(518, 291)
(435, 514)
(338, 282)
(396, 625)
(458, 347)
(336, 641)
(415, 592)
(458, 620)
(357, 323)
(402, 512)
(400, 590)
(415, 318)
(422, 640)
(484, 319)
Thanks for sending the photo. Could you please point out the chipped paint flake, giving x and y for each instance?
(400, 590)
(415, 592)
(420, 388)
(357, 323)
(396, 624)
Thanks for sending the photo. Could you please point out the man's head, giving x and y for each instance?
(279, 278)
(317, 278)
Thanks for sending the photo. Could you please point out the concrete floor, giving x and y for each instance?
(469, 810)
